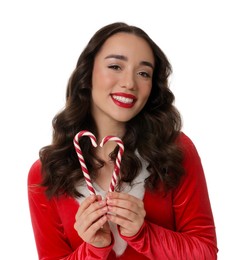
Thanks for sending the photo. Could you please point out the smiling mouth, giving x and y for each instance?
(124, 100)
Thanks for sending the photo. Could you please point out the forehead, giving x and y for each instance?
(127, 44)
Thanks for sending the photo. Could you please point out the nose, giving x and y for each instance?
(128, 81)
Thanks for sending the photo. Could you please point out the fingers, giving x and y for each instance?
(126, 211)
(84, 205)
(90, 210)
(90, 217)
(90, 230)
(97, 234)
(125, 204)
(122, 209)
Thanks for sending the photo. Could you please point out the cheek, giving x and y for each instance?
(146, 90)
(96, 75)
(102, 78)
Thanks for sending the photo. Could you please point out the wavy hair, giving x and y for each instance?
(152, 133)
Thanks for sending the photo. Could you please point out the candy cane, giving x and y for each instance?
(81, 158)
(116, 170)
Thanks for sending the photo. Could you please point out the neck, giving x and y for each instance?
(116, 129)
(108, 131)
(110, 128)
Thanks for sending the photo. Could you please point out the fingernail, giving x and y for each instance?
(105, 209)
(91, 197)
(109, 195)
(102, 202)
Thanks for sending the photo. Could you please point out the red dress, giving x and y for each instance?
(177, 226)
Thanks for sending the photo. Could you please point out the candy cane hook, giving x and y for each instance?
(116, 170)
(81, 158)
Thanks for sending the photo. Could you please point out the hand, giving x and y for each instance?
(91, 222)
(126, 211)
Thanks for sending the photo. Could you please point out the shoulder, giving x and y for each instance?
(191, 157)
(35, 173)
(187, 145)
(36, 192)
(185, 140)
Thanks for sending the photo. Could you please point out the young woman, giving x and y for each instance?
(160, 208)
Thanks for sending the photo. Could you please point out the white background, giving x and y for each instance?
(40, 43)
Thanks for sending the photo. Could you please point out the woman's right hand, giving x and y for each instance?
(92, 222)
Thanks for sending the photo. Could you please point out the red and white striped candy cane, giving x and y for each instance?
(116, 170)
(81, 158)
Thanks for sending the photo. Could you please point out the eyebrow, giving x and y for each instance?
(124, 58)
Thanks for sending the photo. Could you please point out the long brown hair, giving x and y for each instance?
(152, 133)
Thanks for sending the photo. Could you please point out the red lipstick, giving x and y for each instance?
(124, 100)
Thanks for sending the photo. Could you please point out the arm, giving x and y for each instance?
(51, 241)
(154, 241)
(194, 236)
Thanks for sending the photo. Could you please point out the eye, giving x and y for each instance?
(144, 74)
(114, 67)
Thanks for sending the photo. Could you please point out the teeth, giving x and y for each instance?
(123, 99)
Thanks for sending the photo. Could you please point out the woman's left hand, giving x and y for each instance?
(126, 211)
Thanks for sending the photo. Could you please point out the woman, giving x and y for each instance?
(160, 208)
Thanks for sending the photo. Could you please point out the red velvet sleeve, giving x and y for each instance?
(51, 241)
(194, 236)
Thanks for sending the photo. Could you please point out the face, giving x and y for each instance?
(122, 78)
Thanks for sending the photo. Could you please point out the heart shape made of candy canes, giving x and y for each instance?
(84, 169)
